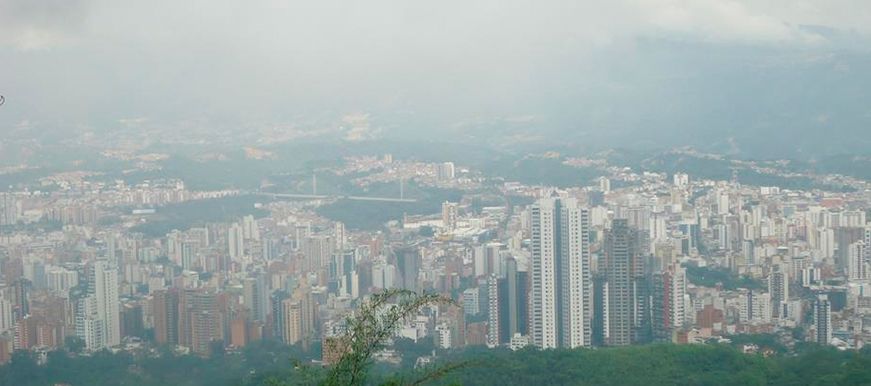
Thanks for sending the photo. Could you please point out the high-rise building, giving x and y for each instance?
(236, 241)
(445, 171)
(98, 318)
(299, 317)
(21, 291)
(89, 325)
(278, 321)
(318, 251)
(250, 229)
(604, 184)
(6, 320)
(201, 320)
(408, 265)
(560, 304)
(256, 297)
(857, 264)
(755, 307)
(492, 311)
(470, 301)
(778, 289)
(165, 313)
(480, 260)
(668, 298)
(623, 267)
(867, 240)
(844, 238)
(823, 319)
(131, 320)
(10, 209)
(722, 202)
(658, 227)
(341, 236)
(450, 214)
(513, 303)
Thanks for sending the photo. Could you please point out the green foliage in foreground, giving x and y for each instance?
(662, 364)
(252, 366)
(652, 365)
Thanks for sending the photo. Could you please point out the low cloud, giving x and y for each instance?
(43, 24)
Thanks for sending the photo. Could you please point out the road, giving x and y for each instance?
(322, 197)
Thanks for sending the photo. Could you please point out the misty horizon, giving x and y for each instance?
(398, 192)
(644, 74)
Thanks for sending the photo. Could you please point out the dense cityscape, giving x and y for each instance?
(664, 258)
(455, 192)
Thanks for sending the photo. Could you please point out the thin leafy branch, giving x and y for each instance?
(374, 323)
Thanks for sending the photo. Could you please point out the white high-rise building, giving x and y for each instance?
(443, 336)
(98, 318)
(450, 215)
(61, 280)
(90, 327)
(378, 276)
(560, 254)
(755, 307)
(857, 265)
(658, 227)
(235, 240)
(341, 236)
(543, 300)
(480, 260)
(492, 311)
(722, 203)
(604, 184)
(867, 240)
(678, 293)
(250, 229)
(445, 171)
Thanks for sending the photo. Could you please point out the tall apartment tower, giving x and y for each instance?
(623, 267)
(492, 311)
(202, 314)
(857, 263)
(668, 294)
(867, 239)
(408, 265)
(256, 295)
(778, 288)
(450, 214)
(299, 317)
(513, 302)
(100, 307)
(235, 241)
(823, 319)
(560, 302)
(165, 312)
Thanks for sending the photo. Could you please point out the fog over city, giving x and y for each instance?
(642, 72)
(403, 192)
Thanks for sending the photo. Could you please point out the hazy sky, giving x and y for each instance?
(96, 62)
